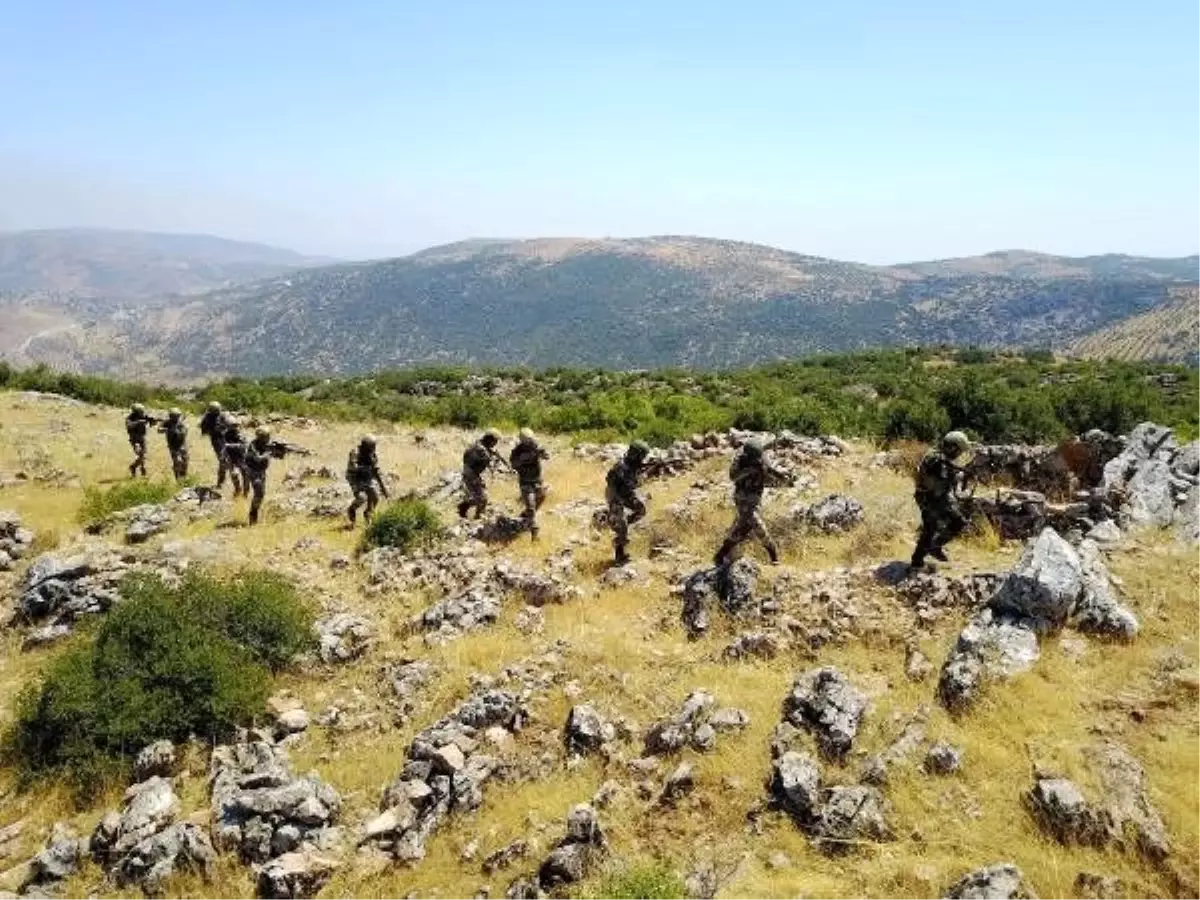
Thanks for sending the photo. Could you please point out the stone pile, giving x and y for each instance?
(447, 766)
(15, 540)
(261, 810)
(834, 514)
(1002, 881)
(695, 725)
(343, 637)
(575, 856)
(323, 501)
(1051, 585)
(823, 702)
(729, 588)
(1153, 481)
(586, 731)
(59, 588)
(144, 844)
(836, 817)
(1123, 817)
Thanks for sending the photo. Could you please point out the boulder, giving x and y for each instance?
(343, 637)
(990, 648)
(181, 847)
(834, 514)
(1002, 881)
(943, 759)
(729, 588)
(143, 522)
(58, 860)
(585, 731)
(1045, 583)
(572, 858)
(851, 814)
(1149, 498)
(155, 759)
(796, 786)
(680, 783)
(1126, 803)
(824, 702)
(300, 874)
(1098, 610)
(1060, 808)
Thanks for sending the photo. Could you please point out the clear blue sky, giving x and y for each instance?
(876, 130)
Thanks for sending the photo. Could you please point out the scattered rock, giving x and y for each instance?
(1002, 881)
(1045, 583)
(825, 703)
(505, 857)
(573, 857)
(679, 784)
(756, 644)
(57, 861)
(155, 759)
(834, 514)
(943, 759)
(586, 732)
(1060, 808)
(1127, 806)
(15, 540)
(1098, 611)
(729, 588)
(849, 815)
(1099, 887)
(297, 874)
(692, 726)
(343, 637)
(796, 786)
(917, 666)
(145, 521)
(991, 647)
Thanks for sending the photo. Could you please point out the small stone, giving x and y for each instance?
(292, 721)
(448, 759)
(943, 759)
(679, 784)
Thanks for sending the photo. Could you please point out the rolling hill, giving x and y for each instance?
(1167, 333)
(626, 303)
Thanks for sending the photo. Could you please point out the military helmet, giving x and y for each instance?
(491, 436)
(956, 441)
(214, 406)
(369, 440)
(526, 436)
(262, 432)
(139, 407)
(175, 412)
(639, 449)
(753, 447)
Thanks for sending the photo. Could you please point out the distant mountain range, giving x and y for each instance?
(1170, 332)
(641, 302)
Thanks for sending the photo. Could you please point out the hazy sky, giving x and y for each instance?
(875, 130)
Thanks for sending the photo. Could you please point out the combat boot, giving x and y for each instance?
(773, 554)
(621, 556)
(939, 553)
(463, 508)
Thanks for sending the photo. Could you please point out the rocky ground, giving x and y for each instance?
(498, 717)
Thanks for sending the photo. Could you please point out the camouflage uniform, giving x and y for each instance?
(749, 473)
(526, 460)
(477, 459)
(942, 519)
(257, 461)
(233, 459)
(212, 424)
(136, 424)
(621, 495)
(176, 431)
(362, 471)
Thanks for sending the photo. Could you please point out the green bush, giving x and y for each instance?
(406, 524)
(167, 662)
(652, 881)
(99, 503)
(919, 421)
(259, 610)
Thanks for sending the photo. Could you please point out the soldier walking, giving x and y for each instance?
(136, 424)
(750, 472)
(233, 457)
(212, 426)
(939, 481)
(621, 486)
(362, 471)
(526, 460)
(176, 431)
(477, 459)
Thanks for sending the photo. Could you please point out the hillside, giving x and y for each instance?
(132, 265)
(570, 633)
(1167, 333)
(611, 303)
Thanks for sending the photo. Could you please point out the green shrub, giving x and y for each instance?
(652, 881)
(919, 421)
(99, 503)
(406, 524)
(259, 610)
(167, 662)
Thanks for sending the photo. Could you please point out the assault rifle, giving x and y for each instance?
(280, 449)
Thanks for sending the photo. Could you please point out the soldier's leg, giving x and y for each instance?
(637, 510)
(258, 487)
(372, 501)
(764, 536)
(738, 532)
(925, 537)
(359, 499)
(951, 523)
(540, 495)
(529, 501)
(181, 468)
(620, 526)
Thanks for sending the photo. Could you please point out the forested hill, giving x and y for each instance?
(645, 302)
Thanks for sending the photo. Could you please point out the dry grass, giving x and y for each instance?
(628, 655)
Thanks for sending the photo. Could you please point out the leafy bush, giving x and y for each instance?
(652, 881)
(406, 524)
(259, 610)
(919, 421)
(167, 662)
(99, 503)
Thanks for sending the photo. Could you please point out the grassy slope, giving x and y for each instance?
(629, 656)
(1170, 332)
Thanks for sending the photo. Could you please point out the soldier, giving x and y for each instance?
(939, 481)
(176, 431)
(621, 494)
(750, 473)
(526, 460)
(233, 456)
(362, 471)
(257, 460)
(477, 459)
(136, 424)
(211, 426)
